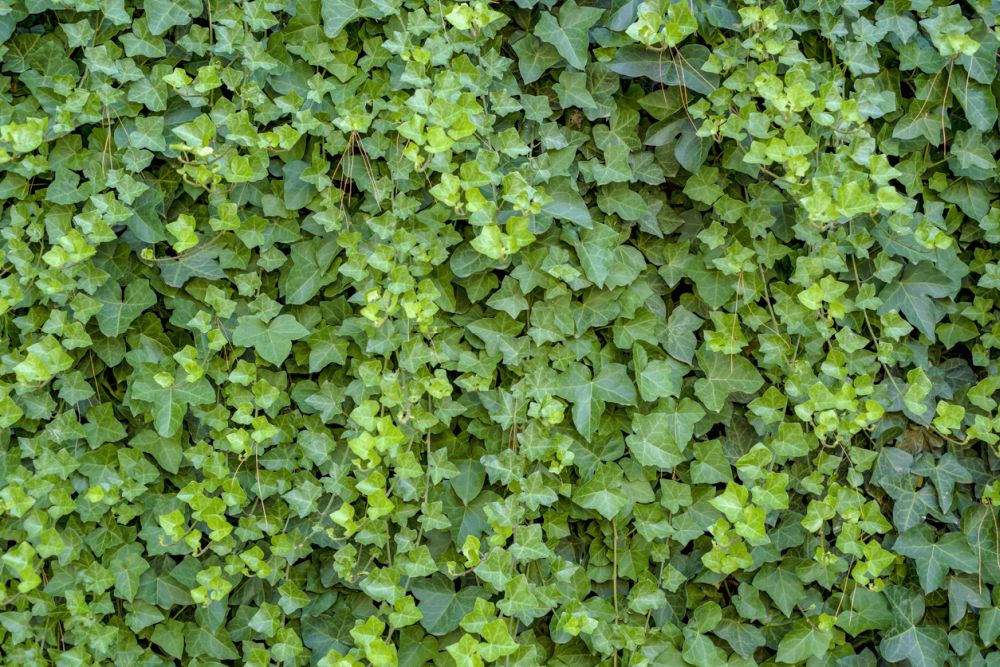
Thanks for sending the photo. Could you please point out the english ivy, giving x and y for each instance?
(592, 332)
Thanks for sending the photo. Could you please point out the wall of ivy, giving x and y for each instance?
(532, 332)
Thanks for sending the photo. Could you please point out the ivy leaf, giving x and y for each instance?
(968, 195)
(944, 473)
(596, 252)
(724, 376)
(497, 642)
(660, 378)
(128, 567)
(802, 642)
(566, 203)
(914, 296)
(651, 444)
(181, 269)
(309, 270)
(603, 492)
(162, 15)
(922, 645)
(979, 104)
(570, 32)
(439, 603)
(534, 59)
(781, 584)
(743, 637)
(588, 394)
(684, 69)
(934, 559)
(989, 625)
(613, 384)
(201, 641)
(338, 13)
(273, 340)
(659, 438)
(326, 347)
(118, 309)
(680, 340)
(169, 636)
(984, 540)
(911, 507)
(169, 404)
(868, 610)
(700, 650)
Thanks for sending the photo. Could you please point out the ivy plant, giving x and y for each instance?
(515, 332)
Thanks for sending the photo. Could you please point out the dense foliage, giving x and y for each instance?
(350, 332)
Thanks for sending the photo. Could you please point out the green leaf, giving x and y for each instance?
(200, 641)
(603, 492)
(169, 404)
(119, 309)
(337, 14)
(570, 32)
(700, 650)
(658, 439)
(619, 200)
(945, 473)
(680, 339)
(309, 270)
(566, 203)
(802, 642)
(169, 636)
(162, 15)
(439, 603)
(588, 394)
(989, 625)
(128, 567)
(660, 378)
(935, 558)
(921, 645)
(596, 252)
(979, 104)
(682, 69)
(724, 376)
(782, 586)
(273, 340)
(497, 642)
(534, 58)
(914, 294)
(651, 444)
(864, 610)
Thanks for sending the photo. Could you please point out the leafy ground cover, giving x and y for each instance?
(392, 332)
